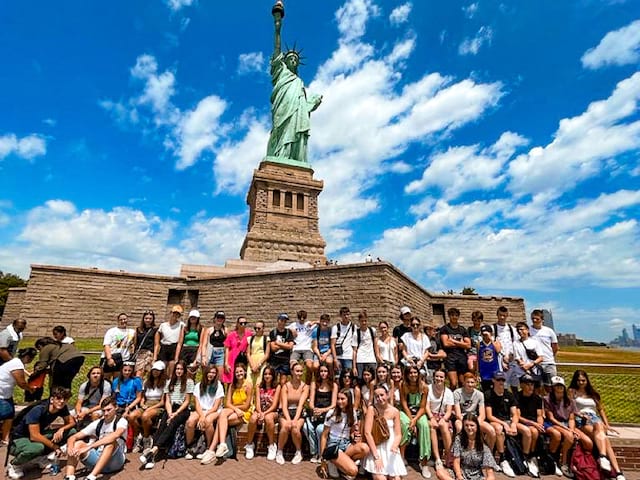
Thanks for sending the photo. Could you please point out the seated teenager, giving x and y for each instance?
(560, 411)
(439, 408)
(366, 388)
(267, 402)
(90, 396)
(592, 420)
(177, 396)
(322, 398)
(341, 443)
(127, 389)
(34, 435)
(347, 381)
(208, 395)
(501, 410)
(468, 399)
(294, 396)
(106, 454)
(472, 459)
(530, 421)
(151, 406)
(237, 410)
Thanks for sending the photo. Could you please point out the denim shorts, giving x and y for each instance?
(217, 356)
(7, 409)
(115, 463)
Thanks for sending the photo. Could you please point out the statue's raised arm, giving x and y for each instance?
(278, 14)
(290, 106)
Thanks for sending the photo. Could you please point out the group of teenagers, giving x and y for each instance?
(360, 397)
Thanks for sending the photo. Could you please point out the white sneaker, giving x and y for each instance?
(426, 473)
(188, 455)
(147, 443)
(14, 472)
(222, 450)
(297, 458)
(138, 446)
(506, 469)
(249, 451)
(332, 470)
(566, 470)
(558, 470)
(315, 459)
(151, 461)
(605, 464)
(146, 454)
(207, 457)
(534, 471)
(280, 458)
(620, 476)
(439, 464)
(272, 450)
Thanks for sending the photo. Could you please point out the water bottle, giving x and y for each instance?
(55, 466)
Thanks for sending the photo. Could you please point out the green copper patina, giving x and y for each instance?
(290, 106)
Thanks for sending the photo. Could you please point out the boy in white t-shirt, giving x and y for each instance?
(106, 454)
(302, 330)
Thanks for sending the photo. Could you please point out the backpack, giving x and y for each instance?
(584, 465)
(514, 456)
(101, 423)
(178, 448)
(264, 342)
(373, 335)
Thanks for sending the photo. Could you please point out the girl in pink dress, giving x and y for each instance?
(235, 343)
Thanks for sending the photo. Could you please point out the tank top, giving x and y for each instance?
(414, 399)
(191, 338)
(239, 396)
(323, 399)
(217, 338)
(488, 361)
(266, 398)
(586, 404)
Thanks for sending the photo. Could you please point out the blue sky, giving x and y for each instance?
(483, 144)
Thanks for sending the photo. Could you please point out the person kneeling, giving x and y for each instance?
(106, 454)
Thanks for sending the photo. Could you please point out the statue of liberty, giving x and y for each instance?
(290, 106)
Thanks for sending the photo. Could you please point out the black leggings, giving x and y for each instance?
(165, 435)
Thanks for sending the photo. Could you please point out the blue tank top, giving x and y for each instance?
(488, 361)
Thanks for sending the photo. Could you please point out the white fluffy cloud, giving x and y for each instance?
(470, 242)
(250, 62)
(582, 143)
(121, 238)
(176, 5)
(28, 147)
(188, 133)
(471, 46)
(400, 14)
(470, 10)
(352, 18)
(462, 169)
(620, 47)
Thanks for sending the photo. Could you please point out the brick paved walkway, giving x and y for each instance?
(258, 468)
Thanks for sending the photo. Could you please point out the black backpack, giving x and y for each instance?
(514, 456)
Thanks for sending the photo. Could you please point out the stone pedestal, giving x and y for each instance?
(283, 215)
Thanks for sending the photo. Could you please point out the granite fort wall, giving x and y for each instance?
(14, 304)
(87, 300)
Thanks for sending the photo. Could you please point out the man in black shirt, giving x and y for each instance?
(502, 412)
(405, 326)
(456, 341)
(281, 343)
(33, 436)
(530, 420)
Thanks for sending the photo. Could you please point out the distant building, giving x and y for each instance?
(547, 319)
(567, 339)
(636, 333)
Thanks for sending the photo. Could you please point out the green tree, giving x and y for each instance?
(8, 280)
(469, 291)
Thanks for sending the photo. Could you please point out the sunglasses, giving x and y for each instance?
(258, 328)
(499, 379)
(242, 323)
(415, 324)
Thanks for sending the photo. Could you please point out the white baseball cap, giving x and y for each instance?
(404, 310)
